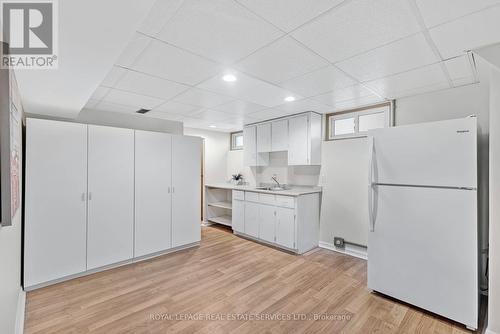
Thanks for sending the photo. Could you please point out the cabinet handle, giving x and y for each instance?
(169, 190)
(173, 190)
(83, 197)
(90, 196)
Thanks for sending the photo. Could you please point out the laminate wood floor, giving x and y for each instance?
(227, 285)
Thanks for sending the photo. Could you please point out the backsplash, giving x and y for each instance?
(294, 175)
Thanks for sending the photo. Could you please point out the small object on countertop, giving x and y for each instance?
(237, 179)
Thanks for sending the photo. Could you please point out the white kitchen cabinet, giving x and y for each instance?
(56, 200)
(279, 135)
(298, 130)
(252, 219)
(285, 227)
(264, 138)
(110, 195)
(238, 216)
(267, 219)
(153, 187)
(250, 155)
(186, 190)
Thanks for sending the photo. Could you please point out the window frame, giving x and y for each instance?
(232, 140)
(356, 113)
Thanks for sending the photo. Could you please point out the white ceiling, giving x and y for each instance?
(328, 54)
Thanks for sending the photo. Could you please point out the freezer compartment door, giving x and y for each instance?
(423, 249)
(431, 154)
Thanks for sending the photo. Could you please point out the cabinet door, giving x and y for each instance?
(279, 135)
(238, 219)
(153, 182)
(111, 196)
(298, 153)
(56, 186)
(264, 138)
(186, 190)
(252, 219)
(285, 227)
(249, 146)
(267, 218)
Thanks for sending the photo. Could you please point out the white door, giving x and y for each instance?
(111, 195)
(153, 185)
(279, 135)
(423, 249)
(267, 218)
(264, 138)
(252, 219)
(238, 218)
(56, 187)
(285, 227)
(438, 154)
(298, 153)
(186, 190)
(250, 146)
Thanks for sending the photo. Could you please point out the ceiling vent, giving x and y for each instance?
(143, 111)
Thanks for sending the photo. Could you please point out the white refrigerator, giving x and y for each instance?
(422, 244)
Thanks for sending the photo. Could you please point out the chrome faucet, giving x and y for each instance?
(274, 178)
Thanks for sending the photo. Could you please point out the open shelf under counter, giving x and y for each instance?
(223, 220)
(223, 205)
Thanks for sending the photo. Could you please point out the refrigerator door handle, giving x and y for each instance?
(370, 184)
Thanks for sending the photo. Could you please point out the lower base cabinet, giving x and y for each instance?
(290, 222)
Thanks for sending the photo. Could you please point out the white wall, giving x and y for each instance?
(494, 237)
(278, 165)
(216, 153)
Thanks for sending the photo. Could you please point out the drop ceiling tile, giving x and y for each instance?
(160, 13)
(249, 89)
(100, 93)
(132, 99)
(349, 93)
(357, 103)
(289, 14)
(173, 107)
(133, 50)
(212, 115)
(91, 104)
(459, 67)
(400, 56)
(357, 27)
(113, 76)
(238, 107)
(304, 105)
(202, 98)
(320, 81)
(467, 33)
(411, 82)
(208, 125)
(151, 86)
(166, 61)
(280, 61)
(221, 30)
(115, 107)
(164, 115)
(437, 12)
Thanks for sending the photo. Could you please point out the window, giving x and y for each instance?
(356, 122)
(237, 140)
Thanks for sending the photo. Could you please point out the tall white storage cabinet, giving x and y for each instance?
(153, 192)
(186, 190)
(111, 195)
(55, 216)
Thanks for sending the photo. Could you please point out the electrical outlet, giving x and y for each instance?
(338, 242)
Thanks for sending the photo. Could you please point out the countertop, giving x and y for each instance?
(293, 191)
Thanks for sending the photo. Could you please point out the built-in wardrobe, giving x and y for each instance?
(98, 197)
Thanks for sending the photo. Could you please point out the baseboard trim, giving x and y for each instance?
(351, 250)
(20, 313)
(489, 331)
(111, 266)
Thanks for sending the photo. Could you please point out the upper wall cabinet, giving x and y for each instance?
(251, 156)
(299, 135)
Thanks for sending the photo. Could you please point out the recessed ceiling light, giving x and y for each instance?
(212, 126)
(229, 78)
(289, 99)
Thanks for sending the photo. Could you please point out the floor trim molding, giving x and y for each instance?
(352, 250)
(489, 331)
(20, 314)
